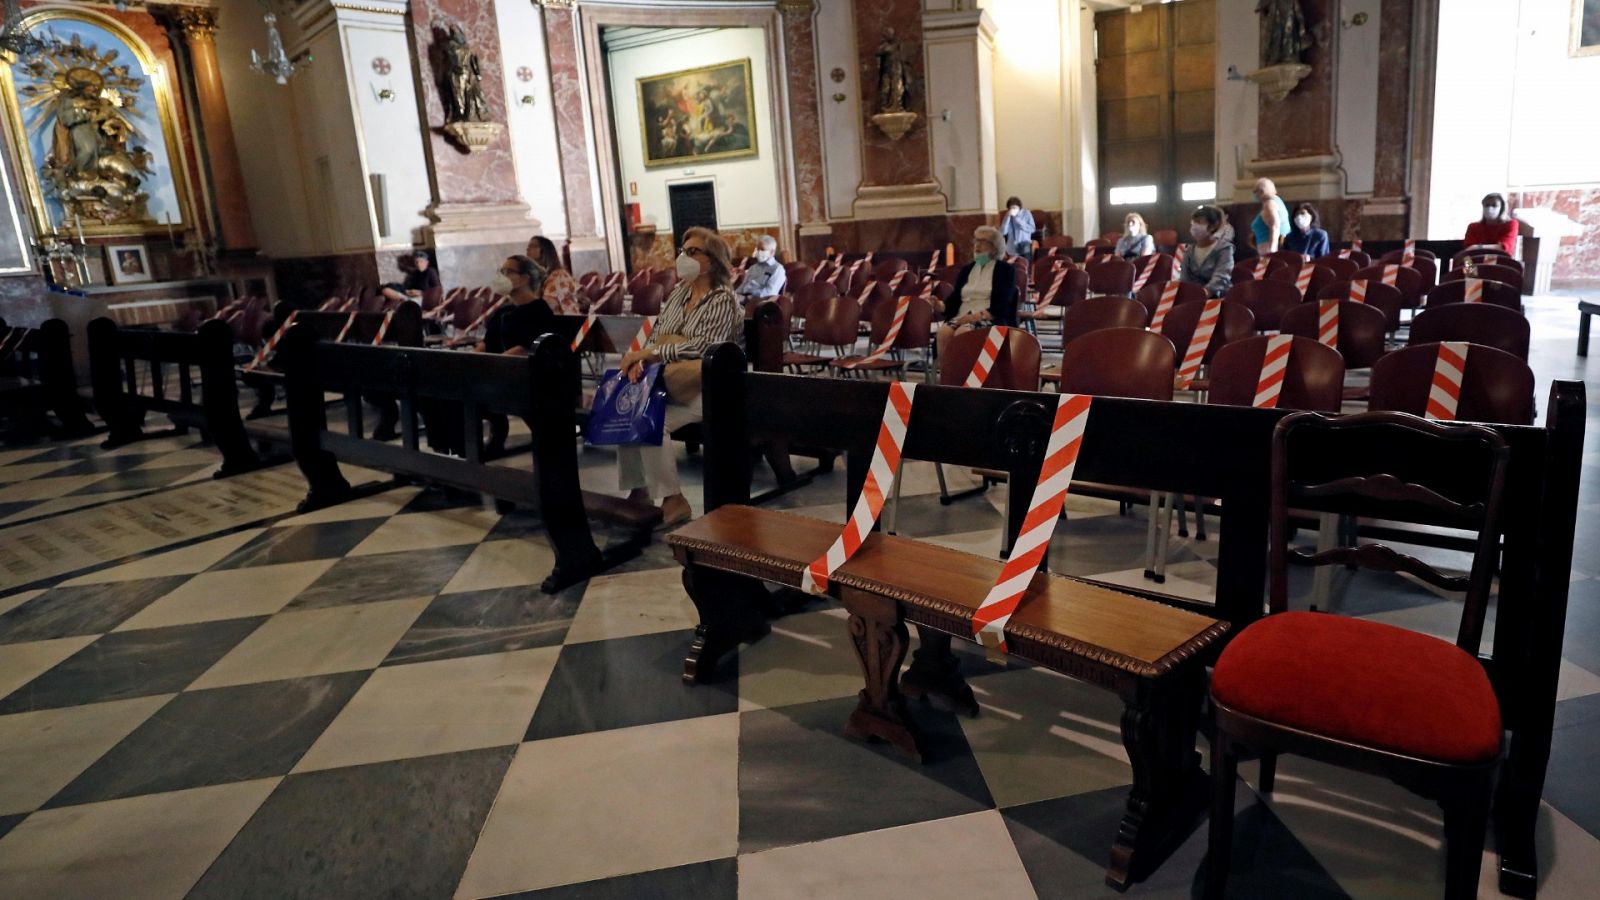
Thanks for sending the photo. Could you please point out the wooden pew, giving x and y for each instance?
(122, 400)
(405, 330)
(37, 378)
(539, 387)
(1211, 451)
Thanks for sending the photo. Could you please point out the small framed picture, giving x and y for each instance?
(127, 263)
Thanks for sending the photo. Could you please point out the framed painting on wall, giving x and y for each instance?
(127, 263)
(698, 115)
(1585, 28)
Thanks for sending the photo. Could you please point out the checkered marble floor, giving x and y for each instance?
(376, 700)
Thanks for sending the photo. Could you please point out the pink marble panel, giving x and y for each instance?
(805, 121)
(1394, 97)
(566, 80)
(487, 176)
(906, 161)
(1579, 257)
(1301, 124)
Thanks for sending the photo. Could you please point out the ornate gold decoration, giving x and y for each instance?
(473, 136)
(797, 7)
(198, 23)
(1277, 81)
(895, 124)
(97, 160)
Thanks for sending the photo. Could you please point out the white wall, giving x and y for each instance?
(1030, 133)
(391, 138)
(841, 120)
(959, 60)
(1355, 117)
(1555, 131)
(533, 128)
(746, 189)
(1237, 101)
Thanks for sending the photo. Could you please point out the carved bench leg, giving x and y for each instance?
(881, 641)
(730, 609)
(935, 675)
(1169, 789)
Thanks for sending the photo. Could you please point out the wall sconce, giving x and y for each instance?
(526, 100)
(1234, 74)
(838, 98)
(384, 94)
(1355, 21)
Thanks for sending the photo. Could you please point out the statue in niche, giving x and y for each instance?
(894, 75)
(466, 103)
(1287, 37)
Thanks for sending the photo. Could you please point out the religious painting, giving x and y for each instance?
(92, 121)
(1585, 28)
(698, 115)
(127, 263)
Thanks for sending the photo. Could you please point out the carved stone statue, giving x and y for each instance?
(465, 98)
(1286, 37)
(894, 75)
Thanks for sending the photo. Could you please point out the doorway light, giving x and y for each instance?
(1128, 195)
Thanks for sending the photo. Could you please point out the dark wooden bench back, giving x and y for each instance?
(38, 362)
(405, 329)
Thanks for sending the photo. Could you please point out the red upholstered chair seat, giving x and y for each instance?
(1362, 682)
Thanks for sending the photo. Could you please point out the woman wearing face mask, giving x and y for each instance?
(985, 290)
(765, 277)
(513, 327)
(1208, 262)
(1136, 240)
(700, 311)
(1307, 238)
(560, 288)
(1496, 226)
(1016, 229)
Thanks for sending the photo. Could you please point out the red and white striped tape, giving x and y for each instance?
(933, 261)
(1203, 330)
(1260, 271)
(1169, 297)
(880, 482)
(1328, 323)
(272, 342)
(1444, 395)
(986, 357)
(901, 306)
(1055, 288)
(1358, 291)
(1144, 274)
(643, 337)
(383, 329)
(1346, 253)
(1044, 511)
(478, 322)
(1302, 281)
(1408, 253)
(1090, 254)
(14, 336)
(1474, 291)
(1274, 366)
(1356, 245)
(899, 277)
(1391, 274)
(583, 330)
(818, 270)
(351, 320)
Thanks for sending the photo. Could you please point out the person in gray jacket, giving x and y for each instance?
(1208, 262)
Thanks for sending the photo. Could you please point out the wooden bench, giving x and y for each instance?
(36, 379)
(123, 398)
(1210, 451)
(539, 387)
(405, 330)
(1586, 308)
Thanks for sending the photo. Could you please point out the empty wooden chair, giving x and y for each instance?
(1342, 268)
(1099, 313)
(1492, 293)
(1407, 280)
(1267, 300)
(809, 294)
(1166, 239)
(647, 300)
(914, 336)
(1361, 330)
(1491, 253)
(795, 275)
(1495, 386)
(1235, 322)
(1074, 289)
(1488, 272)
(1015, 368)
(1354, 692)
(873, 296)
(1291, 258)
(831, 321)
(1254, 270)
(1110, 275)
(1313, 378)
(1149, 296)
(1422, 260)
(1382, 296)
(1475, 323)
(1321, 276)
(1160, 267)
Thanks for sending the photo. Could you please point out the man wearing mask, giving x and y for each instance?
(765, 277)
(1496, 227)
(1017, 228)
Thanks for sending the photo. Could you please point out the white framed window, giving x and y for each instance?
(1199, 190)
(1131, 194)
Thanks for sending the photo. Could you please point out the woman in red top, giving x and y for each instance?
(1496, 226)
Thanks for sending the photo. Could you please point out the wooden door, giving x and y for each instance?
(1156, 94)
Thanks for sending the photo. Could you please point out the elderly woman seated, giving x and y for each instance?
(985, 291)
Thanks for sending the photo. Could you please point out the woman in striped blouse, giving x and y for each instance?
(700, 311)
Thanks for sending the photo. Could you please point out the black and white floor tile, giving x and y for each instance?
(375, 699)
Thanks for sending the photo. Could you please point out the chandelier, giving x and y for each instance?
(16, 40)
(277, 62)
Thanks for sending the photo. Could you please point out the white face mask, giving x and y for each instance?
(1199, 232)
(1491, 213)
(688, 267)
(1013, 210)
(1135, 229)
(1302, 222)
(763, 255)
(501, 284)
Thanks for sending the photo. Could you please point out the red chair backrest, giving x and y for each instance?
(1407, 279)
(1491, 255)
(638, 281)
(1016, 368)
(1422, 261)
(873, 296)
(1044, 270)
(1495, 293)
(1057, 242)
(1361, 258)
(1073, 289)
(1111, 275)
(1320, 276)
(1290, 258)
(947, 274)
(795, 275)
(1149, 296)
(372, 300)
(833, 321)
(1342, 268)
(1313, 379)
(1496, 387)
(1099, 313)
(812, 293)
(1361, 329)
(1166, 237)
(887, 268)
(1119, 362)
(1267, 300)
(1162, 263)
(647, 300)
(1488, 272)
(1234, 323)
(608, 302)
(664, 277)
(1476, 323)
(1380, 295)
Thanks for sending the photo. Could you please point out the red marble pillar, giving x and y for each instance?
(1295, 147)
(805, 121)
(562, 44)
(897, 173)
(1386, 214)
(199, 28)
(478, 213)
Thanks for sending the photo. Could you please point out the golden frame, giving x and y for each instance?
(1575, 45)
(751, 152)
(157, 72)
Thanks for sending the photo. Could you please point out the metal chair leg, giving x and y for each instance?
(894, 501)
(1150, 539)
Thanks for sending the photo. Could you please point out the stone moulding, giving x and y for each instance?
(894, 125)
(1277, 81)
(473, 136)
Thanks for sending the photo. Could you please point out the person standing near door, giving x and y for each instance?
(1017, 228)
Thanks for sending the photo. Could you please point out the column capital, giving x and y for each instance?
(797, 7)
(557, 4)
(199, 23)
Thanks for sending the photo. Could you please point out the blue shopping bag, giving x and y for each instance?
(626, 412)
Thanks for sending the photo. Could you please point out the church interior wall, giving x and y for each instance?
(532, 124)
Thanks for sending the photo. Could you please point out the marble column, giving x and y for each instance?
(477, 212)
(221, 157)
(805, 120)
(897, 173)
(586, 244)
